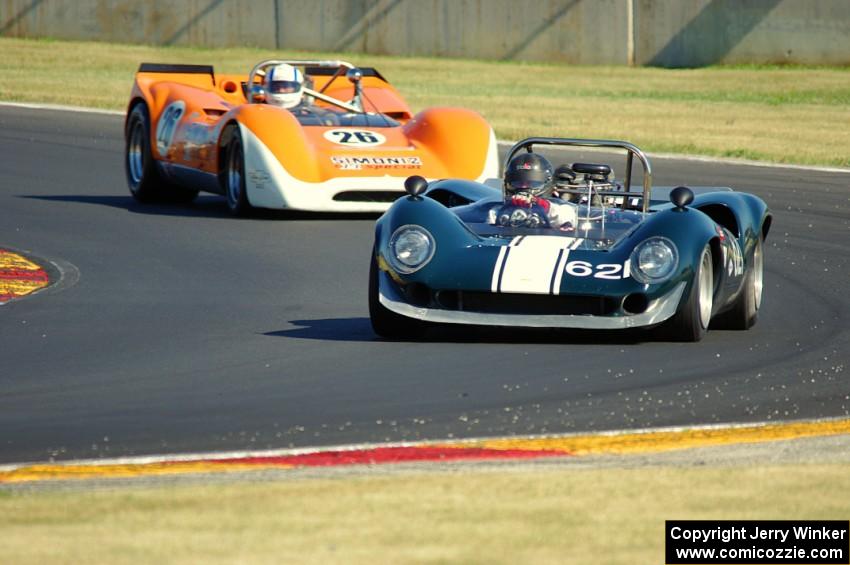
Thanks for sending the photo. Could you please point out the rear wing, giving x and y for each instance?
(325, 71)
(178, 69)
(312, 70)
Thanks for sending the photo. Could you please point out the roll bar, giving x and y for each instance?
(632, 151)
(260, 70)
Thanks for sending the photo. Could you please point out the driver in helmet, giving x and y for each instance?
(284, 86)
(530, 196)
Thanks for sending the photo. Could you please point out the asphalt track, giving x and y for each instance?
(180, 329)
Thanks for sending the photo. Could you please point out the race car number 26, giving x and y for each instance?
(611, 271)
(355, 137)
(168, 124)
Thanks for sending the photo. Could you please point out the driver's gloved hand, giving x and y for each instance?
(527, 201)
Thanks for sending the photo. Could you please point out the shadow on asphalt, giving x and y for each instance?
(360, 330)
(330, 329)
(203, 207)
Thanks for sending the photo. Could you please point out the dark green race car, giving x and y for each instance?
(612, 257)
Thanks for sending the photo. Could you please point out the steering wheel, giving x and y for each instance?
(515, 216)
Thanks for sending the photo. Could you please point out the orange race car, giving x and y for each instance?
(304, 135)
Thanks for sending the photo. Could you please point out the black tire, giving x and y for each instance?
(233, 174)
(387, 323)
(693, 317)
(745, 310)
(143, 179)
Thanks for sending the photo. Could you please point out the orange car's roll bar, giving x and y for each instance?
(260, 70)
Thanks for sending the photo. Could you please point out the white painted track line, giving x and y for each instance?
(504, 143)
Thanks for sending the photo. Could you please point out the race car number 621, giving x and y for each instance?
(355, 137)
(613, 271)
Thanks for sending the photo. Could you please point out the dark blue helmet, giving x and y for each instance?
(531, 174)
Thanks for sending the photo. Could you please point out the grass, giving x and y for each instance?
(776, 114)
(498, 516)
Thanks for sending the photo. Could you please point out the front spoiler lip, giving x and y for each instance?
(659, 310)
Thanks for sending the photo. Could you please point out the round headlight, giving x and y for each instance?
(411, 247)
(654, 260)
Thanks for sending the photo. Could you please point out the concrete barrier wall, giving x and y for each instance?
(573, 31)
(694, 33)
(183, 22)
(590, 32)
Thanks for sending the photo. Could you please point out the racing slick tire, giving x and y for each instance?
(745, 310)
(387, 323)
(233, 178)
(692, 319)
(145, 183)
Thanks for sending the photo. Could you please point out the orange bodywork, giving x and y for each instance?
(436, 143)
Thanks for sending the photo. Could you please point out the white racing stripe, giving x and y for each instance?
(497, 269)
(532, 264)
(562, 265)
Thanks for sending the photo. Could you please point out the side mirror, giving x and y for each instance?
(258, 94)
(681, 196)
(415, 185)
(354, 75)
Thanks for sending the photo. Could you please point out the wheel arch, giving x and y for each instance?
(765, 225)
(135, 101)
(723, 215)
(461, 139)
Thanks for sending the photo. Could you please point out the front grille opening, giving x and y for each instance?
(448, 299)
(418, 294)
(369, 195)
(537, 304)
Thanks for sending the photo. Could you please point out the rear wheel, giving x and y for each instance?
(745, 310)
(234, 175)
(145, 183)
(387, 323)
(693, 317)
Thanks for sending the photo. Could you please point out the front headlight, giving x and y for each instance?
(654, 260)
(411, 247)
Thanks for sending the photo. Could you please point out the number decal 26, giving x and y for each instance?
(355, 137)
(167, 125)
(610, 271)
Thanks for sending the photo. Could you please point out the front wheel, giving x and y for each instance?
(387, 323)
(234, 175)
(694, 315)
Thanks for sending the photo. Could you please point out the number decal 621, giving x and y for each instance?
(610, 271)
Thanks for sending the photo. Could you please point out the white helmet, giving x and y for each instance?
(284, 86)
